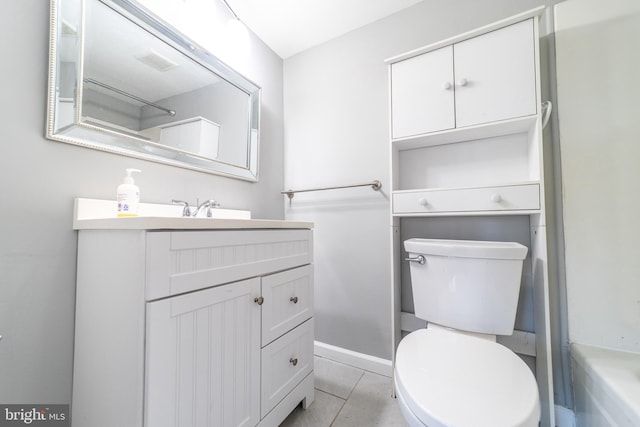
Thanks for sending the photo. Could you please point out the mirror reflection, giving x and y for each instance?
(126, 82)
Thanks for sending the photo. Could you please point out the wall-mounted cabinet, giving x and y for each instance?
(467, 157)
(483, 79)
(465, 116)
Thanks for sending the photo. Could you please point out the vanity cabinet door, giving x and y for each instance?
(422, 93)
(495, 75)
(203, 358)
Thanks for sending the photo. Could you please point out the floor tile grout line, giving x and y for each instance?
(347, 399)
(335, 418)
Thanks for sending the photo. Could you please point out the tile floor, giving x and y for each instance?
(347, 397)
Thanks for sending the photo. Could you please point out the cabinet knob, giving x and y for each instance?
(462, 82)
(293, 361)
(496, 198)
(423, 202)
(446, 85)
(258, 300)
(294, 300)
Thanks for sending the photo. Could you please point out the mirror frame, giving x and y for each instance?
(111, 141)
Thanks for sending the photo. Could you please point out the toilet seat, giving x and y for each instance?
(447, 379)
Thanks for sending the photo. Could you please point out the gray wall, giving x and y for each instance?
(40, 179)
(336, 133)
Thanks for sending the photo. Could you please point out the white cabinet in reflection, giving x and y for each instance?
(195, 135)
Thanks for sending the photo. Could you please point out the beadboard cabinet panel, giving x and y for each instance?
(203, 358)
(183, 261)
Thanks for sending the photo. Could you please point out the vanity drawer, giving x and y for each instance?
(184, 261)
(288, 301)
(485, 199)
(286, 362)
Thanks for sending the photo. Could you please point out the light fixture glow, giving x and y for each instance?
(237, 33)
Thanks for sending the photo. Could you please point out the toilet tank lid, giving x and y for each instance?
(467, 248)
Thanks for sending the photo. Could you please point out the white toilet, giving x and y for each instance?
(454, 373)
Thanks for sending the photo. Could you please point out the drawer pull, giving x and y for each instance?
(258, 300)
(293, 361)
(496, 198)
(294, 300)
(423, 202)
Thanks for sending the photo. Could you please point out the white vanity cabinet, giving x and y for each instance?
(193, 328)
(467, 163)
(483, 79)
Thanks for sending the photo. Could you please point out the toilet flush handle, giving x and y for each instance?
(420, 259)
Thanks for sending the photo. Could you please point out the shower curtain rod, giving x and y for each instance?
(128, 95)
(375, 185)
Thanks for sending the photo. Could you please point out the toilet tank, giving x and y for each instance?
(467, 285)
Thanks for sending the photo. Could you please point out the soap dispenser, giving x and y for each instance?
(128, 195)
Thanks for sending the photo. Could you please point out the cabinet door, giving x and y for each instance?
(422, 93)
(203, 358)
(495, 75)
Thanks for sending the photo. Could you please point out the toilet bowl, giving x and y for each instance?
(454, 373)
(447, 379)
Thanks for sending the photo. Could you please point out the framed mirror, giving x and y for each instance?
(122, 81)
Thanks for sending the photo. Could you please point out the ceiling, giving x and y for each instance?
(291, 26)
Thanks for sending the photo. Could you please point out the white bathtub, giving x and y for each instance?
(606, 386)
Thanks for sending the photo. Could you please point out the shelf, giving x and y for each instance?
(452, 136)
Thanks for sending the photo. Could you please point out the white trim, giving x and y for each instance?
(374, 364)
(564, 417)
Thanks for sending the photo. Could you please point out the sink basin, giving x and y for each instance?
(219, 213)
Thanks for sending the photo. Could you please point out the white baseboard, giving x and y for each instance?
(353, 358)
(565, 417)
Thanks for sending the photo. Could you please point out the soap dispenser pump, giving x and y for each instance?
(128, 195)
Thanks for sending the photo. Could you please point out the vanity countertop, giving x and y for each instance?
(92, 214)
(180, 223)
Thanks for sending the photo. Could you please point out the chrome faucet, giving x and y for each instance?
(186, 210)
(209, 204)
